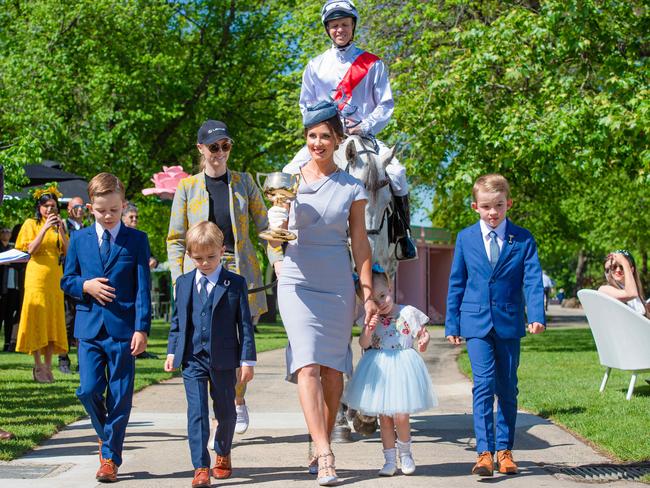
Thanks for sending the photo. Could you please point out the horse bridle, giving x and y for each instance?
(380, 185)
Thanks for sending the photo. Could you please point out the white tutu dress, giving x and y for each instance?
(391, 376)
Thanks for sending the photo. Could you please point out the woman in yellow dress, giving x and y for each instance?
(41, 331)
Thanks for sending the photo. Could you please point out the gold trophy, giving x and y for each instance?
(278, 188)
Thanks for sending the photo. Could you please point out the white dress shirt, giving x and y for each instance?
(212, 281)
(372, 97)
(501, 235)
(113, 232)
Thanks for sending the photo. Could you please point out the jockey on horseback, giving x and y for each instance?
(358, 81)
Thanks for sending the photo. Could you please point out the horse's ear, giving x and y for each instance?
(389, 157)
(351, 151)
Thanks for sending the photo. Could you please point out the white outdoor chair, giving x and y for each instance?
(622, 336)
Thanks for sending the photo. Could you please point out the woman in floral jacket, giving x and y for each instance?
(231, 200)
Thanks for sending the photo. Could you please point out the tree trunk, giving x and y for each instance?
(580, 271)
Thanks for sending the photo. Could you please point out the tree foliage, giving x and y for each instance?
(124, 86)
(552, 94)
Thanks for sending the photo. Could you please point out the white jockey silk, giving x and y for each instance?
(372, 97)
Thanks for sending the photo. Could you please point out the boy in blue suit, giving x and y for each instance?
(107, 273)
(495, 275)
(211, 335)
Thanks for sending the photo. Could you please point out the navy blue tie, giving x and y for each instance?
(494, 249)
(203, 291)
(105, 247)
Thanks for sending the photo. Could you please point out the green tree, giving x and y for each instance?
(552, 94)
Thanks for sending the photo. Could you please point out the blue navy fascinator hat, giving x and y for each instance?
(318, 113)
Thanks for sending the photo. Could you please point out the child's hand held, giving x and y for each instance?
(371, 313)
(454, 339)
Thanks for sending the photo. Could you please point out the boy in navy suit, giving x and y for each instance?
(211, 335)
(495, 274)
(107, 273)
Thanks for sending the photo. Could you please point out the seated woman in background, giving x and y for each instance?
(623, 281)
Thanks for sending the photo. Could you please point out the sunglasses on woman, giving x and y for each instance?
(215, 147)
(615, 267)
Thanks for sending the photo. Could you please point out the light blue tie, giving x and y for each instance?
(203, 292)
(105, 248)
(494, 249)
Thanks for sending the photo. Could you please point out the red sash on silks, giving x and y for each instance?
(357, 72)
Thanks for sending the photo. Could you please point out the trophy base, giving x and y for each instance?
(277, 235)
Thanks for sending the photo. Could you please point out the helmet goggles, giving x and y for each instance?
(338, 9)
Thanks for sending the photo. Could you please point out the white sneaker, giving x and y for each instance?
(408, 464)
(242, 419)
(405, 457)
(390, 463)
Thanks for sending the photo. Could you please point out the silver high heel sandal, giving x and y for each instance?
(325, 467)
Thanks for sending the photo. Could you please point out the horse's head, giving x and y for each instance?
(359, 157)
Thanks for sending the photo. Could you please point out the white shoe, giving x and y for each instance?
(390, 463)
(242, 419)
(405, 457)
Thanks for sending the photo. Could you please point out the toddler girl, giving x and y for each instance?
(391, 379)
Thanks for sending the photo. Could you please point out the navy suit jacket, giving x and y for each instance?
(481, 298)
(127, 270)
(231, 337)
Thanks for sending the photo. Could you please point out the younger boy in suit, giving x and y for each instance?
(107, 273)
(211, 335)
(495, 274)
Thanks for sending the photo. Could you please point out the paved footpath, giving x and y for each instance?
(273, 452)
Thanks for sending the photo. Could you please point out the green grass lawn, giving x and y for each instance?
(559, 378)
(34, 411)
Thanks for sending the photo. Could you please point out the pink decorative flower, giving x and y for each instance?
(386, 322)
(166, 182)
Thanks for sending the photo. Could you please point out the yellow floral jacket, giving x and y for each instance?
(191, 205)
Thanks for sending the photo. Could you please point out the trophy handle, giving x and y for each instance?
(259, 183)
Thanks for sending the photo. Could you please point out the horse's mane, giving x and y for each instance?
(370, 176)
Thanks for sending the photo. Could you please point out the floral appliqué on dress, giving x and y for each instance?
(388, 336)
(402, 326)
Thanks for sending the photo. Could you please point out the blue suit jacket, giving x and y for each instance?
(481, 298)
(127, 270)
(231, 337)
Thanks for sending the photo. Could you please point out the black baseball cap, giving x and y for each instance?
(212, 131)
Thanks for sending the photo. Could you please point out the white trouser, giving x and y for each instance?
(395, 171)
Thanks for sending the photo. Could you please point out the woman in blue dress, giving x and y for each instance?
(315, 289)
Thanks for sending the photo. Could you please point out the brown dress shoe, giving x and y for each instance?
(5, 435)
(484, 465)
(107, 472)
(222, 469)
(201, 478)
(506, 463)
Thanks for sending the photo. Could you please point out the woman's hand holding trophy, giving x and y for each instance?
(279, 188)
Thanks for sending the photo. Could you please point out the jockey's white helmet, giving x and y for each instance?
(338, 9)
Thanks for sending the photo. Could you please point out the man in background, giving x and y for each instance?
(74, 222)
